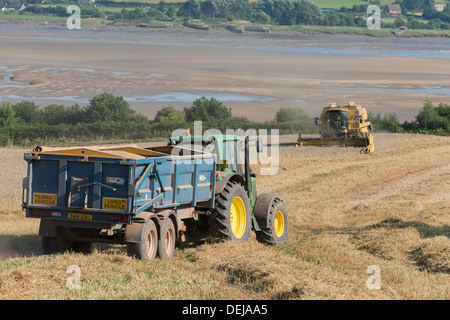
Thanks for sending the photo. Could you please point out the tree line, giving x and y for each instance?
(430, 120)
(274, 12)
(110, 118)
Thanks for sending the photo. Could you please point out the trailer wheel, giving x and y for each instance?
(277, 220)
(51, 245)
(166, 245)
(148, 248)
(231, 219)
(55, 242)
(82, 247)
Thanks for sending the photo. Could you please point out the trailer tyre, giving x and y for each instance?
(55, 242)
(277, 221)
(51, 245)
(148, 248)
(231, 219)
(166, 245)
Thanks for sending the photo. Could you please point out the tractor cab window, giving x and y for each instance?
(336, 120)
(232, 154)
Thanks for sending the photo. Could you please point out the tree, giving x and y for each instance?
(429, 13)
(432, 118)
(191, 9)
(169, 114)
(415, 5)
(54, 114)
(27, 111)
(398, 22)
(389, 122)
(74, 114)
(266, 6)
(260, 17)
(444, 110)
(239, 9)
(208, 110)
(107, 107)
(283, 12)
(306, 12)
(291, 114)
(6, 114)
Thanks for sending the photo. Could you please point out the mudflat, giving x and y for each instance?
(253, 73)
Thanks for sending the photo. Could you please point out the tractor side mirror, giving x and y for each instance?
(316, 120)
(259, 146)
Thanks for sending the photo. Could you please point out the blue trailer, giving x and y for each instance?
(146, 198)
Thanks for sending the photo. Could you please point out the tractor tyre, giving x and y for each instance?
(277, 225)
(231, 219)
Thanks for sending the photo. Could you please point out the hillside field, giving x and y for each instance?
(347, 212)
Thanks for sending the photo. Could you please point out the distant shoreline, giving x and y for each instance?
(94, 23)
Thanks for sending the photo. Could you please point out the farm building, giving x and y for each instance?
(394, 9)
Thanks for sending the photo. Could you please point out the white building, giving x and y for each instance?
(439, 6)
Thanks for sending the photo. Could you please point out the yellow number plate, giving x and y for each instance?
(48, 199)
(79, 216)
(115, 203)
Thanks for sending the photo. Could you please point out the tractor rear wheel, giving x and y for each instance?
(231, 218)
(277, 224)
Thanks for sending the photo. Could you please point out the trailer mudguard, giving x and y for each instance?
(262, 207)
(47, 228)
(133, 232)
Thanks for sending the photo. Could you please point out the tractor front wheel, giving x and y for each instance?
(277, 225)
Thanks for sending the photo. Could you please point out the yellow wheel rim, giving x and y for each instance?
(238, 217)
(278, 224)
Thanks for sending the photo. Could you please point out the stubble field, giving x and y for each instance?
(347, 211)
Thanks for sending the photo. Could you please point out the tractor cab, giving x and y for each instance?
(227, 148)
(232, 154)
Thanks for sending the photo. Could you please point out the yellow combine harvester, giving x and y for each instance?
(345, 126)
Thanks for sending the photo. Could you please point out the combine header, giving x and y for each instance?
(345, 126)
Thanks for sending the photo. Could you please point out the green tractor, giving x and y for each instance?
(237, 207)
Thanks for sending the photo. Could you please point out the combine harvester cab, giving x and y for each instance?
(146, 198)
(345, 126)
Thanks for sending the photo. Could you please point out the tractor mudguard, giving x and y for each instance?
(133, 232)
(262, 207)
(220, 185)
